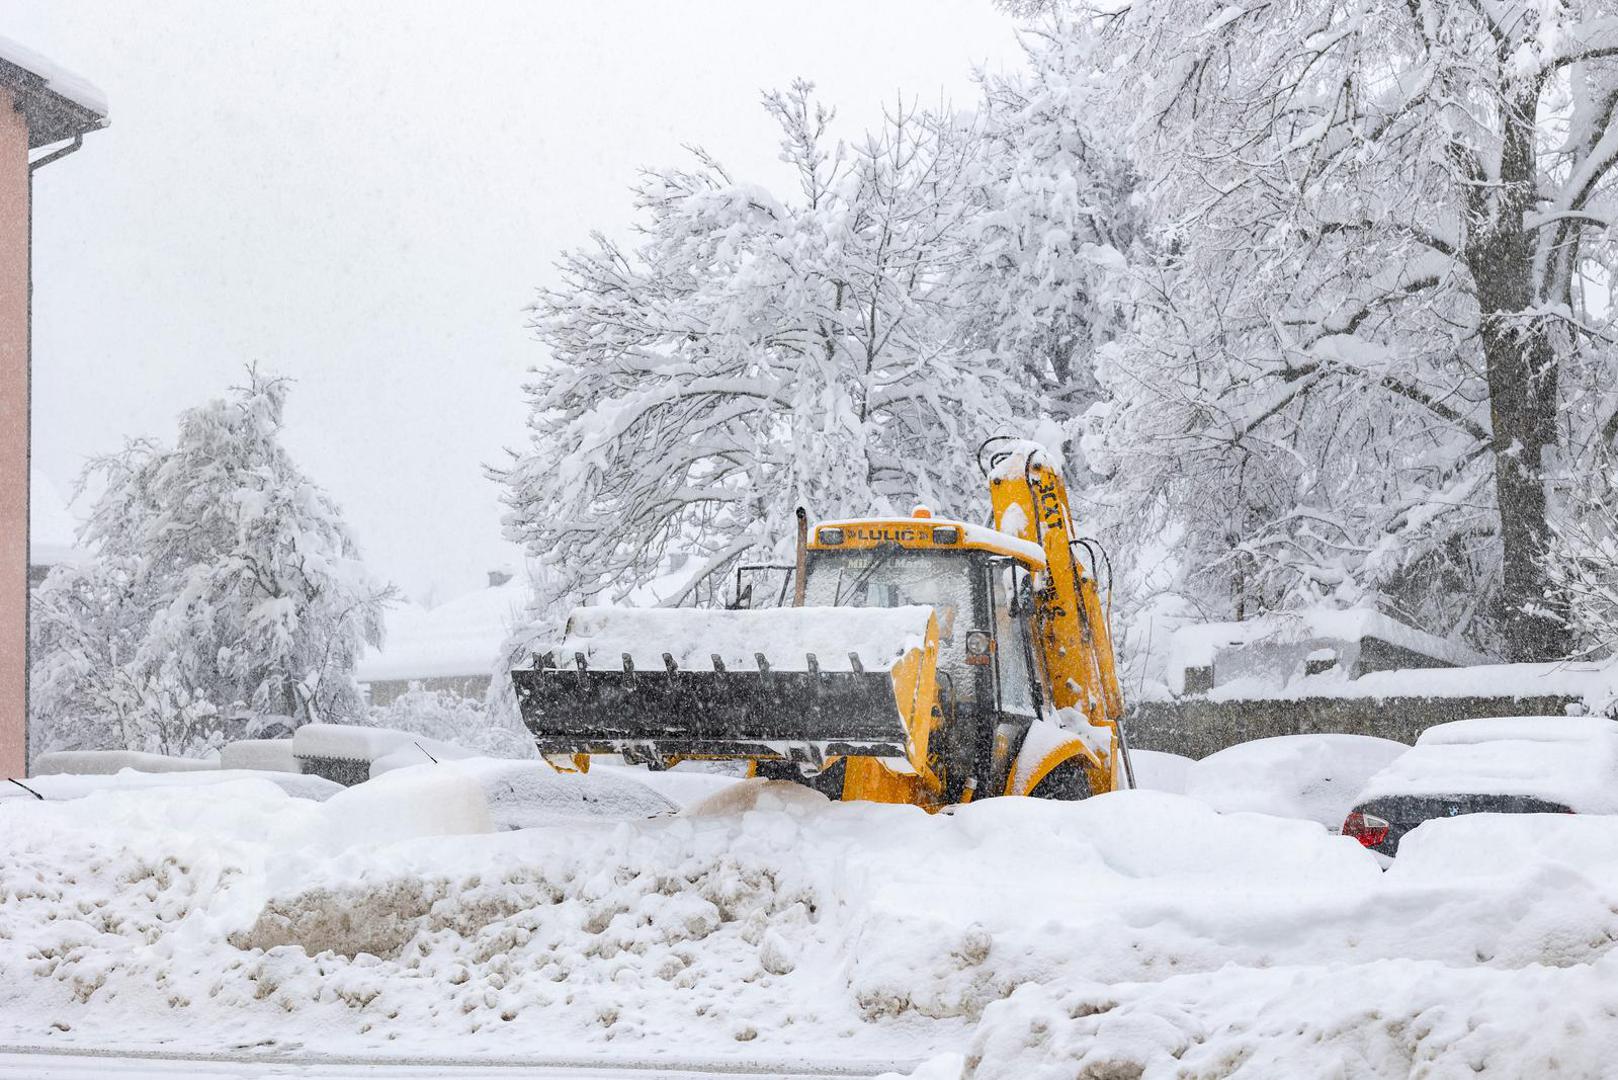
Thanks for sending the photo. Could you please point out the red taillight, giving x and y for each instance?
(1368, 829)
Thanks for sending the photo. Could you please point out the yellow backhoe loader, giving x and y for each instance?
(921, 661)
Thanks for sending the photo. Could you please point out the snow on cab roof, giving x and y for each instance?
(58, 103)
(1571, 760)
(972, 534)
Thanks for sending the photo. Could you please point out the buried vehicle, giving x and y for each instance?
(921, 661)
(1490, 765)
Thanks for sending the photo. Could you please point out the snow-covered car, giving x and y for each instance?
(53, 787)
(530, 794)
(1495, 765)
(1315, 777)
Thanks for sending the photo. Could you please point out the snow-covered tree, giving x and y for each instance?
(221, 577)
(1375, 338)
(1582, 558)
(1058, 214)
(754, 353)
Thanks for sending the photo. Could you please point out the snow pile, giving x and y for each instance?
(1392, 1019)
(73, 786)
(1158, 770)
(1315, 777)
(425, 800)
(766, 923)
(1571, 760)
(108, 762)
(785, 636)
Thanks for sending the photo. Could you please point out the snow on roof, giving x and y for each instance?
(350, 741)
(1529, 728)
(1196, 644)
(1588, 681)
(51, 525)
(463, 637)
(58, 80)
(459, 638)
(1567, 760)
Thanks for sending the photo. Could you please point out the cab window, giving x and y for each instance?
(1012, 644)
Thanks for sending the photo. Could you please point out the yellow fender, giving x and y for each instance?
(1047, 746)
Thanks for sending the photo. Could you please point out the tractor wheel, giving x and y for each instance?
(828, 783)
(1068, 782)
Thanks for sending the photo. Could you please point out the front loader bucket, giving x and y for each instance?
(799, 684)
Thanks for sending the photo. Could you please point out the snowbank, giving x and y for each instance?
(785, 636)
(1140, 929)
(423, 800)
(1157, 770)
(1390, 1019)
(1315, 777)
(108, 762)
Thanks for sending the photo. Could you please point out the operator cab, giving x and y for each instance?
(980, 586)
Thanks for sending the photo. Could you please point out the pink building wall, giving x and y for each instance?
(14, 224)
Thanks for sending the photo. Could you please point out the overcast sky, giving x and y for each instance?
(364, 196)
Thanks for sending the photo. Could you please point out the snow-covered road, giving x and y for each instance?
(44, 1063)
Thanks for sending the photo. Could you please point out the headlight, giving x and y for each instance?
(830, 536)
(946, 534)
(979, 646)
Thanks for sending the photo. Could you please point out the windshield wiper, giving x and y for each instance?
(883, 557)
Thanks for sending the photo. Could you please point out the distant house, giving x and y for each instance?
(1278, 649)
(45, 113)
(456, 645)
(449, 647)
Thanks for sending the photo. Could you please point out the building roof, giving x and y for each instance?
(1195, 644)
(458, 638)
(57, 103)
(463, 637)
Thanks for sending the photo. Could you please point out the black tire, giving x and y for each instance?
(1068, 782)
(828, 783)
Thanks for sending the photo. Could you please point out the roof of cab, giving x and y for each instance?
(973, 537)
